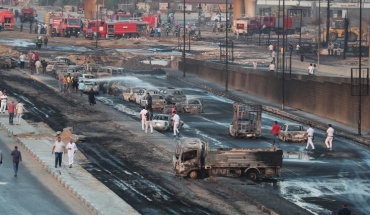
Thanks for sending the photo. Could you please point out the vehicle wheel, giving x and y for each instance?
(284, 139)
(252, 175)
(333, 36)
(183, 110)
(193, 174)
(352, 37)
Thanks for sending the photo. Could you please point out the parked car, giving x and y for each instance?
(64, 59)
(130, 94)
(5, 62)
(86, 76)
(174, 96)
(158, 102)
(54, 65)
(293, 133)
(190, 106)
(163, 122)
(91, 84)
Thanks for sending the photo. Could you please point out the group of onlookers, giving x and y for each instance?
(16, 110)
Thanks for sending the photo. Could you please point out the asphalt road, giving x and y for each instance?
(33, 191)
(319, 181)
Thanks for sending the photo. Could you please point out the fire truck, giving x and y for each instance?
(28, 15)
(245, 26)
(125, 29)
(66, 26)
(272, 23)
(7, 18)
(152, 20)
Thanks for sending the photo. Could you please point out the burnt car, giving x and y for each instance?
(158, 102)
(163, 122)
(190, 106)
(174, 96)
(292, 133)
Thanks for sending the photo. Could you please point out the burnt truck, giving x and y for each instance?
(193, 158)
(247, 121)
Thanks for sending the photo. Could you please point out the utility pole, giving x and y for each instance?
(183, 51)
(284, 47)
(327, 22)
(319, 37)
(227, 50)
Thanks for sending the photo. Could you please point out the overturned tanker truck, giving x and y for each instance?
(193, 158)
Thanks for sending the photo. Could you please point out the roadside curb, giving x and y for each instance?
(56, 175)
(273, 110)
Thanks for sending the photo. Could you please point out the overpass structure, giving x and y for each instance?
(241, 8)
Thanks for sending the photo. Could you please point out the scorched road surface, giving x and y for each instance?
(128, 164)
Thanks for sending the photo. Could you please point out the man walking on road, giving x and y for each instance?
(149, 101)
(1, 157)
(344, 210)
(273, 55)
(176, 122)
(19, 108)
(143, 118)
(72, 149)
(275, 129)
(3, 99)
(11, 112)
(22, 58)
(149, 118)
(310, 133)
(17, 157)
(329, 137)
(58, 149)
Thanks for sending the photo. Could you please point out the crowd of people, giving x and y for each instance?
(14, 109)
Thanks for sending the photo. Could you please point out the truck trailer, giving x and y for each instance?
(247, 120)
(194, 158)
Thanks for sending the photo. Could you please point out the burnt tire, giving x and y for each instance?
(352, 37)
(193, 174)
(252, 175)
(333, 36)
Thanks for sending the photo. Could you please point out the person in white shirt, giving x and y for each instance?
(310, 69)
(19, 109)
(3, 99)
(273, 55)
(71, 150)
(255, 65)
(271, 48)
(22, 58)
(297, 48)
(272, 67)
(176, 121)
(58, 148)
(38, 66)
(329, 137)
(143, 118)
(310, 133)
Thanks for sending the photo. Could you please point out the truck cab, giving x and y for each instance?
(70, 26)
(7, 19)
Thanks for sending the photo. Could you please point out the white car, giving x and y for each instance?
(91, 84)
(292, 133)
(163, 122)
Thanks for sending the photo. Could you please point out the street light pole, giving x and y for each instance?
(97, 26)
(319, 37)
(227, 50)
(327, 22)
(360, 71)
(284, 47)
(183, 50)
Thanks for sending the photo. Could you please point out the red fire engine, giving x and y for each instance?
(28, 15)
(7, 19)
(66, 27)
(126, 29)
(152, 20)
(271, 23)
